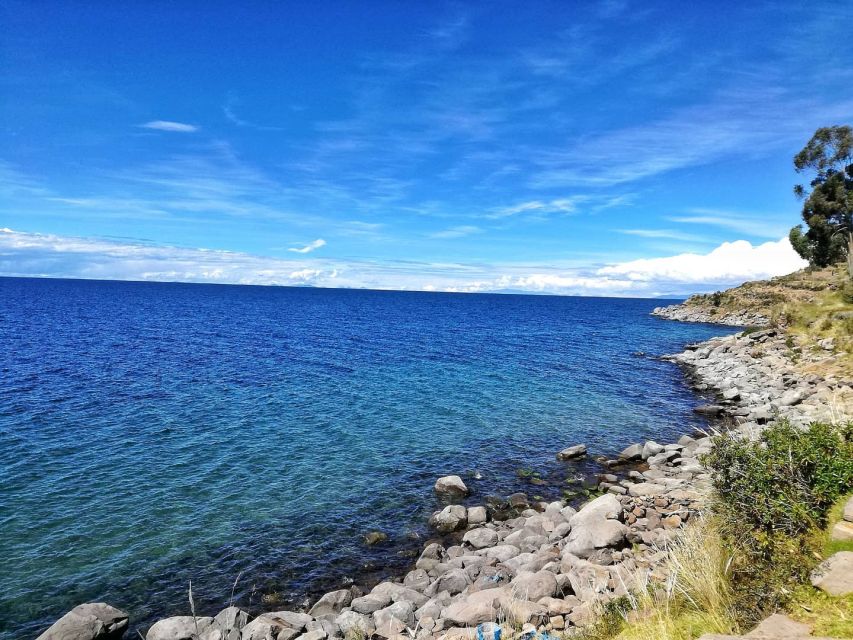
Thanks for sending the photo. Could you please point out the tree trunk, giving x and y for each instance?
(850, 254)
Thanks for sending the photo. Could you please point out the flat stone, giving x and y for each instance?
(842, 530)
(848, 510)
(569, 453)
(779, 626)
(835, 574)
(646, 489)
(90, 621)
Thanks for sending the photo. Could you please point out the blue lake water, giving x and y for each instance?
(153, 434)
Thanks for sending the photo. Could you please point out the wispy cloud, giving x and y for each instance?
(759, 226)
(460, 231)
(169, 125)
(311, 246)
(663, 234)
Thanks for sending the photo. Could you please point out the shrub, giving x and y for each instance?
(771, 496)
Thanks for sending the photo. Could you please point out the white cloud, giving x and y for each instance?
(308, 248)
(168, 125)
(455, 232)
(748, 224)
(32, 254)
(730, 263)
(661, 234)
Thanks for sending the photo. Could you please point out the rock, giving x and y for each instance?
(313, 634)
(501, 552)
(454, 581)
(569, 453)
(399, 593)
(375, 537)
(835, 574)
(354, 624)
(88, 622)
(332, 603)
(393, 620)
(731, 394)
(848, 510)
(559, 606)
(651, 448)
(474, 609)
(371, 602)
(229, 624)
(646, 489)
(417, 579)
(179, 628)
(792, 397)
(477, 515)
(534, 586)
(595, 526)
(634, 452)
(449, 519)
(272, 626)
(709, 410)
(451, 485)
(842, 530)
(780, 626)
(481, 537)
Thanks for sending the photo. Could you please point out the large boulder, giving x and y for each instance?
(451, 485)
(278, 625)
(371, 602)
(179, 628)
(393, 620)
(475, 608)
(835, 574)
(332, 603)
(634, 452)
(355, 625)
(452, 518)
(481, 537)
(453, 581)
(596, 526)
(534, 586)
(90, 621)
(228, 624)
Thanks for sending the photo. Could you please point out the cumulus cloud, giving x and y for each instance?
(32, 254)
(731, 262)
(308, 248)
(168, 125)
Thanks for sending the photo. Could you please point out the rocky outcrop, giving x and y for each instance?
(710, 314)
(758, 379)
(91, 621)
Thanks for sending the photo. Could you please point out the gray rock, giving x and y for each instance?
(90, 621)
(332, 603)
(477, 515)
(271, 626)
(646, 489)
(501, 552)
(449, 519)
(848, 510)
(475, 608)
(481, 537)
(451, 485)
(596, 526)
(400, 593)
(651, 448)
(835, 574)
(534, 586)
(569, 453)
(634, 452)
(454, 581)
(179, 628)
(417, 579)
(355, 625)
(228, 624)
(371, 602)
(780, 626)
(393, 620)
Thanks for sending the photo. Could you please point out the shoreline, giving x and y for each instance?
(547, 564)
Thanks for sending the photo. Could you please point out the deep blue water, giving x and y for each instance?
(153, 434)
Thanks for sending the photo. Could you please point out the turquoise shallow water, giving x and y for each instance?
(152, 434)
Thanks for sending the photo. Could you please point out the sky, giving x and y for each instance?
(619, 148)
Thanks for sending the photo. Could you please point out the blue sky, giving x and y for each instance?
(609, 148)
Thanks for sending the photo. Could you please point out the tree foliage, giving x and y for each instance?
(828, 206)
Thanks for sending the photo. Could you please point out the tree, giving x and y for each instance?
(828, 207)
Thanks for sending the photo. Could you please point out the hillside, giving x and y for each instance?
(813, 306)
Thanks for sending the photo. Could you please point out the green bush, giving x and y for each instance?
(772, 495)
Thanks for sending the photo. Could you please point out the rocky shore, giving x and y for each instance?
(541, 566)
(690, 313)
